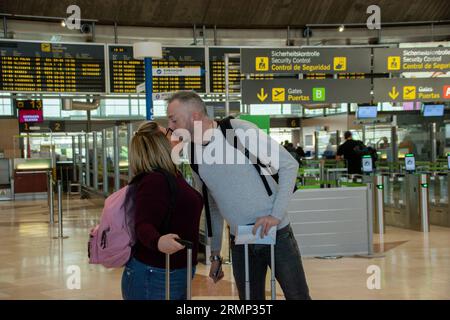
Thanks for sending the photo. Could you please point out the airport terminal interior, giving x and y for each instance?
(78, 78)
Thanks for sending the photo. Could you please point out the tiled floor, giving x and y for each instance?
(35, 266)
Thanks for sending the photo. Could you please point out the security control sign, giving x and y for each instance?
(417, 89)
(291, 60)
(305, 91)
(398, 60)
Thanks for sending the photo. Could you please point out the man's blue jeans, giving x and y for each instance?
(288, 267)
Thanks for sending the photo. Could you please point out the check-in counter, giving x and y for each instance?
(31, 178)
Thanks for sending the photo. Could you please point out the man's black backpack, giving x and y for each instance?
(224, 125)
(360, 149)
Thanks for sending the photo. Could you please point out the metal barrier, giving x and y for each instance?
(51, 201)
(332, 221)
(406, 201)
(60, 213)
(378, 205)
(439, 198)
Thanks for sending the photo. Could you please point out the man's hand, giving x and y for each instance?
(167, 243)
(266, 222)
(216, 272)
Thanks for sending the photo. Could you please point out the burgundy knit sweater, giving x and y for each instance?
(152, 203)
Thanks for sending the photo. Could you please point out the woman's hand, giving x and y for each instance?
(168, 244)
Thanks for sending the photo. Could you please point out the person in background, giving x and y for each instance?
(144, 275)
(407, 143)
(290, 148)
(300, 154)
(347, 151)
(383, 143)
(330, 150)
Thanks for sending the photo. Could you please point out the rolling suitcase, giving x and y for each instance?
(188, 246)
(272, 273)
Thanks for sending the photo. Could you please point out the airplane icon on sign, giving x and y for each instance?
(277, 93)
(409, 92)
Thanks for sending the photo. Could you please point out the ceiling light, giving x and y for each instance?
(341, 28)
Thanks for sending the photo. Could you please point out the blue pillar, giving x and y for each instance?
(148, 88)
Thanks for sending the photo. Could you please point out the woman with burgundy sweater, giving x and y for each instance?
(144, 275)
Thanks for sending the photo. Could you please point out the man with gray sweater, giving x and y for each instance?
(242, 194)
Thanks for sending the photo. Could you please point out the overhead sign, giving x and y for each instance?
(181, 68)
(155, 96)
(217, 70)
(276, 122)
(305, 91)
(292, 60)
(28, 104)
(423, 89)
(27, 66)
(177, 72)
(397, 60)
(31, 116)
(162, 95)
(57, 126)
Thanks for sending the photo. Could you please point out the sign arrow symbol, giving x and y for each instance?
(393, 93)
(262, 96)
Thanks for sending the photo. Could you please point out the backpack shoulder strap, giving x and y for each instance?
(224, 125)
(194, 166)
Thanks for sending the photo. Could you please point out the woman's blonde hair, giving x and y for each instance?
(150, 149)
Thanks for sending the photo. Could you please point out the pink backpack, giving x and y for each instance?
(110, 242)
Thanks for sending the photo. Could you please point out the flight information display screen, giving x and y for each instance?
(433, 110)
(217, 70)
(366, 112)
(51, 67)
(181, 68)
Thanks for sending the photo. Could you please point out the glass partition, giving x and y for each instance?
(327, 145)
(414, 138)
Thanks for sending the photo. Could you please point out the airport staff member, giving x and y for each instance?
(347, 150)
(238, 195)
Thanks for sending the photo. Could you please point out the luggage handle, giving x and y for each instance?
(272, 273)
(188, 245)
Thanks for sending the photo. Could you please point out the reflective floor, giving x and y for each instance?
(33, 265)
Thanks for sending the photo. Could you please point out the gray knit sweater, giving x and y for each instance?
(236, 191)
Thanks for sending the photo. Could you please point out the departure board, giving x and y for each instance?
(217, 70)
(181, 68)
(52, 67)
